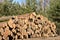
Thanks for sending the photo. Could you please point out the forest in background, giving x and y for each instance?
(51, 10)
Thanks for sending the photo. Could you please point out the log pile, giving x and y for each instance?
(27, 26)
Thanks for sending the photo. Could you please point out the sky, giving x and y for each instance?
(20, 1)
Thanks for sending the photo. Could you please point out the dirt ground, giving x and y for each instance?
(48, 38)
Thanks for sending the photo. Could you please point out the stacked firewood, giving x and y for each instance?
(27, 26)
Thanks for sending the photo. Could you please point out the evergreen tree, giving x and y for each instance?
(54, 12)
